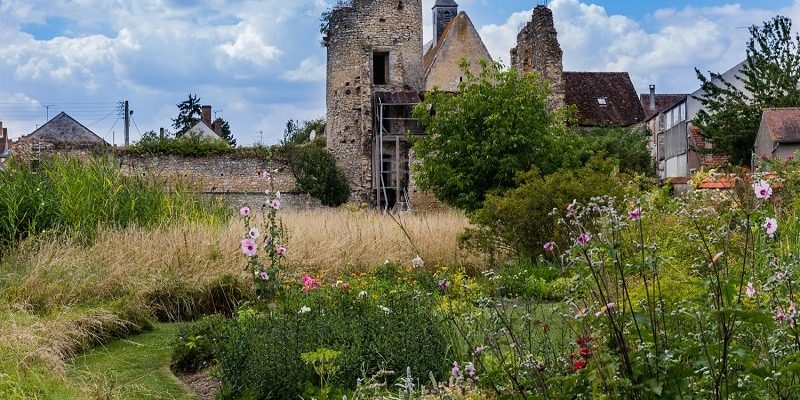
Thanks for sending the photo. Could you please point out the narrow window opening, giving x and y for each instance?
(400, 5)
(380, 68)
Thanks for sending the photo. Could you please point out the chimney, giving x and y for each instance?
(161, 133)
(218, 127)
(206, 117)
(652, 97)
(443, 12)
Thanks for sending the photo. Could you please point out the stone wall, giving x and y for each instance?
(356, 32)
(538, 50)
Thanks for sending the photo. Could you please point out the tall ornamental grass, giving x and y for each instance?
(80, 197)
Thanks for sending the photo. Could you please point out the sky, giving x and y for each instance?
(259, 63)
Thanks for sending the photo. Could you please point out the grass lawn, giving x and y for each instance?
(135, 368)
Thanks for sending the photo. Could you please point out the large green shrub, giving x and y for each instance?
(317, 174)
(393, 330)
(522, 220)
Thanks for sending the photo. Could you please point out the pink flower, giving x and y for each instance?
(249, 247)
(581, 313)
(264, 276)
(770, 227)
(345, 286)
(479, 350)
(309, 283)
(762, 190)
(245, 211)
(779, 276)
(549, 246)
(469, 371)
(635, 214)
(276, 204)
(583, 239)
(254, 233)
(751, 290)
(605, 309)
(455, 371)
(571, 208)
(779, 315)
(444, 284)
(265, 175)
(282, 250)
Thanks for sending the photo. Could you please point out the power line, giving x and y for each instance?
(106, 116)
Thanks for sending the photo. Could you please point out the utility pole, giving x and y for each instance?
(127, 123)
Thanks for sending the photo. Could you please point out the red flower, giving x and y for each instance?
(586, 352)
(578, 365)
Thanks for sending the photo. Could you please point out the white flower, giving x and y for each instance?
(362, 294)
(417, 262)
(385, 310)
(762, 190)
(305, 309)
(254, 233)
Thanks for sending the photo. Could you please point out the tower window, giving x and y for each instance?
(380, 68)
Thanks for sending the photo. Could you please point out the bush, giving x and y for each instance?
(521, 221)
(261, 355)
(195, 345)
(186, 145)
(316, 173)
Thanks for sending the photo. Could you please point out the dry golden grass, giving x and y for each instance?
(58, 297)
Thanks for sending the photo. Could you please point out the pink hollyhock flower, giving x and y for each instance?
(549, 246)
(276, 204)
(282, 250)
(762, 190)
(265, 175)
(770, 227)
(249, 247)
(635, 214)
(571, 208)
(779, 276)
(254, 233)
(245, 211)
(751, 290)
(583, 239)
(264, 276)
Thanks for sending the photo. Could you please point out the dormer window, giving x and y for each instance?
(602, 101)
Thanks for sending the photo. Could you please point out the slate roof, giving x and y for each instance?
(663, 102)
(622, 105)
(445, 3)
(783, 124)
(65, 129)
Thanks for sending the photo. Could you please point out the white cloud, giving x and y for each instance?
(310, 70)
(250, 46)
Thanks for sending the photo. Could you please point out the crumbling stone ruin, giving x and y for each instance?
(538, 50)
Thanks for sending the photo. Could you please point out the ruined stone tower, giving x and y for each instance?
(538, 50)
(374, 58)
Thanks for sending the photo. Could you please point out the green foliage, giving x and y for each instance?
(66, 195)
(195, 344)
(627, 146)
(391, 329)
(185, 145)
(770, 75)
(297, 132)
(226, 132)
(189, 113)
(521, 221)
(478, 140)
(316, 173)
(528, 279)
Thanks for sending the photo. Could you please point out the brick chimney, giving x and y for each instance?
(206, 116)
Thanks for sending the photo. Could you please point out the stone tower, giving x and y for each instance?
(373, 46)
(538, 50)
(443, 12)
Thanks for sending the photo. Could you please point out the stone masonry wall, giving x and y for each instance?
(356, 31)
(538, 50)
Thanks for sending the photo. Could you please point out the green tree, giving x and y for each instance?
(297, 132)
(770, 76)
(479, 139)
(189, 113)
(626, 147)
(226, 132)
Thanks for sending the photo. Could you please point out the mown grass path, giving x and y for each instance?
(133, 368)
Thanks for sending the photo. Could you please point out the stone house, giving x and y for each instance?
(779, 133)
(376, 74)
(62, 135)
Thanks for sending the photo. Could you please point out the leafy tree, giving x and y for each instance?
(226, 132)
(479, 139)
(316, 172)
(297, 132)
(189, 114)
(770, 76)
(627, 147)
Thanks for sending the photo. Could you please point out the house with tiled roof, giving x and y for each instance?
(603, 99)
(206, 129)
(779, 133)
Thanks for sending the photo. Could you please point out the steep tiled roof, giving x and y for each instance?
(65, 129)
(589, 90)
(663, 102)
(783, 124)
(430, 55)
